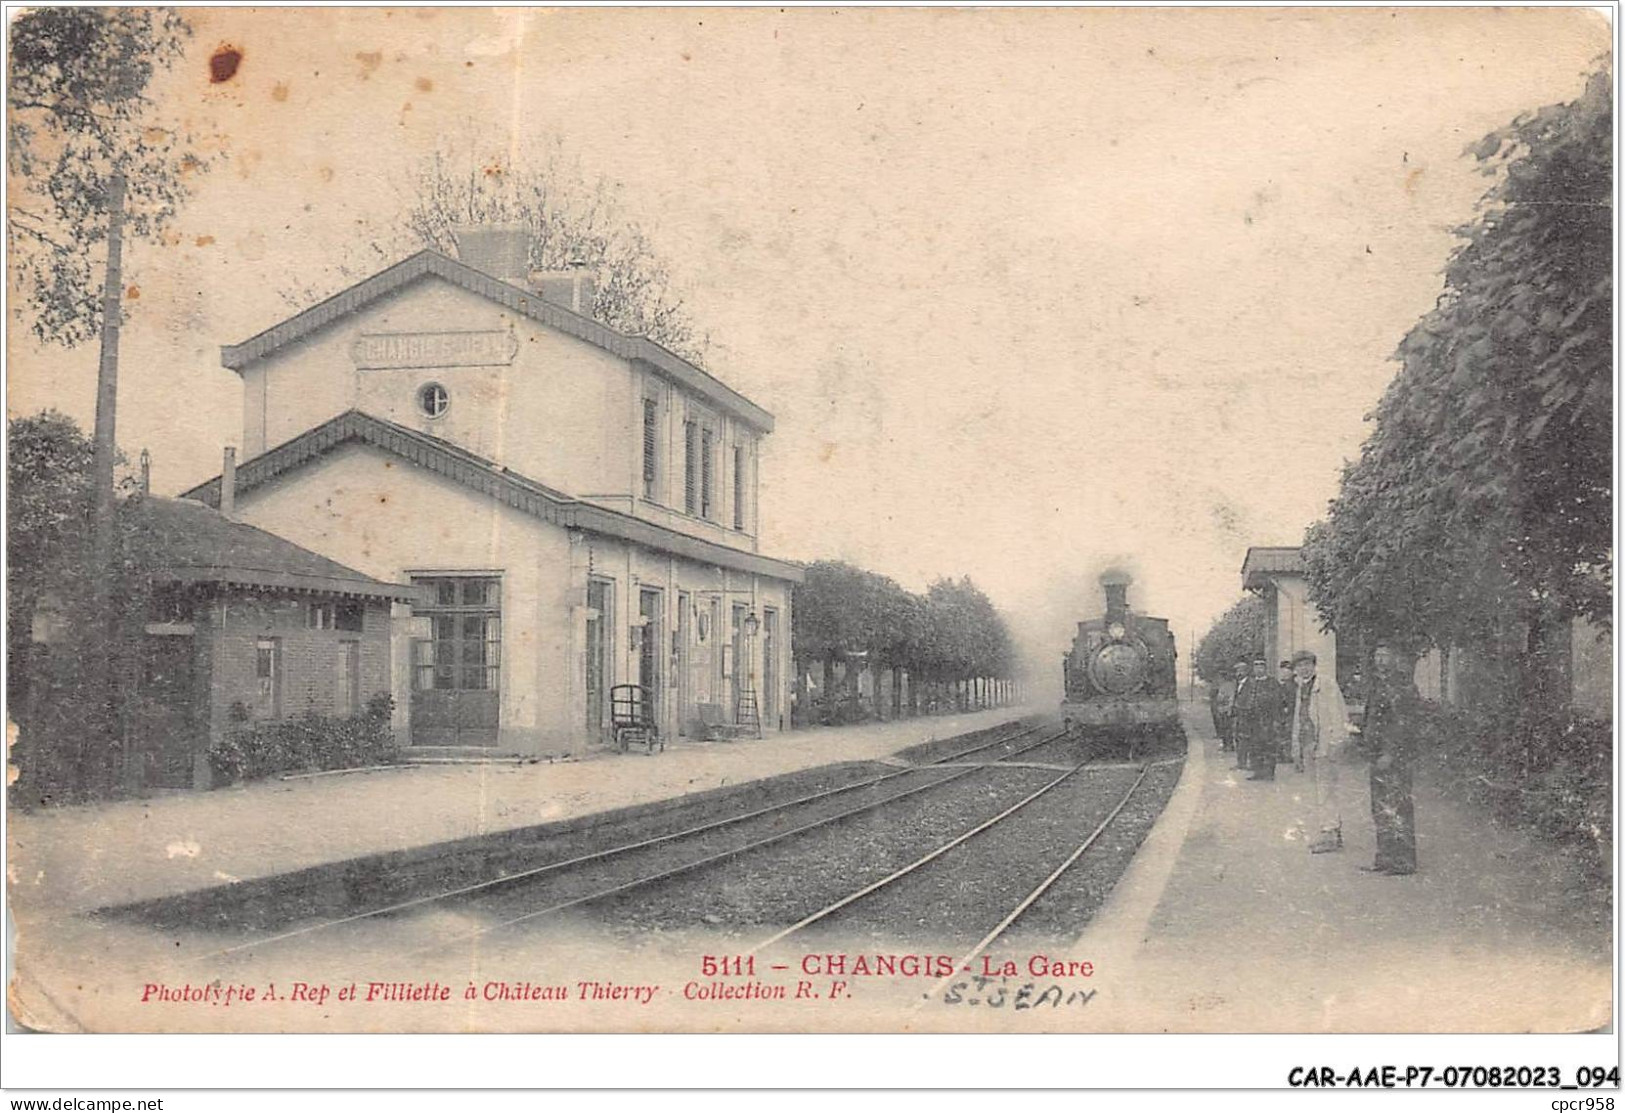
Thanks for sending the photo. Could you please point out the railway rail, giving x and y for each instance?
(835, 908)
(950, 761)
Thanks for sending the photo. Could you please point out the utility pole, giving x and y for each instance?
(105, 449)
(106, 446)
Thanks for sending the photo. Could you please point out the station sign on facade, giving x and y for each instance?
(395, 350)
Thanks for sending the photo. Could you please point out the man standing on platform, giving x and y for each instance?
(1391, 721)
(1288, 684)
(1319, 732)
(1257, 712)
(1240, 728)
(1224, 709)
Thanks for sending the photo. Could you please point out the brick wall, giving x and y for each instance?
(308, 660)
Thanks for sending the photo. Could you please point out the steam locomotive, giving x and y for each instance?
(1120, 675)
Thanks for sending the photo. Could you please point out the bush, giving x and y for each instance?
(306, 743)
(1547, 772)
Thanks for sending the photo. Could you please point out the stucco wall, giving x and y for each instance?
(390, 519)
(1297, 626)
(557, 413)
(375, 513)
(564, 412)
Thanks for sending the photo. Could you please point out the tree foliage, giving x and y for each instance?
(571, 219)
(48, 507)
(1484, 488)
(1237, 635)
(953, 632)
(79, 113)
(70, 733)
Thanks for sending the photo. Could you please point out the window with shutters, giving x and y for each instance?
(739, 486)
(651, 447)
(691, 466)
(707, 468)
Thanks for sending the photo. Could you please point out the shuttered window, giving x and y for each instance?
(739, 486)
(707, 487)
(691, 468)
(651, 445)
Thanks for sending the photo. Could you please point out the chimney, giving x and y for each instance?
(228, 484)
(499, 250)
(1116, 585)
(573, 287)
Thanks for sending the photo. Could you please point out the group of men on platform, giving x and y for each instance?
(1297, 717)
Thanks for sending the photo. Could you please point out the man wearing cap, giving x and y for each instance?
(1319, 734)
(1257, 709)
(1390, 735)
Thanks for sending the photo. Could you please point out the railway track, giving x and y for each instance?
(778, 810)
(831, 911)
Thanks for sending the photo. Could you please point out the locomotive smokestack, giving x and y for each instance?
(1116, 585)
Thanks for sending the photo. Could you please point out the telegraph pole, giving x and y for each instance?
(104, 450)
(106, 446)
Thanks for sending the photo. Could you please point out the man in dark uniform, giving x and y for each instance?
(1288, 683)
(1391, 721)
(1258, 714)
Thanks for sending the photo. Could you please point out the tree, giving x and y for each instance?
(845, 613)
(48, 507)
(1237, 635)
(1482, 498)
(89, 156)
(571, 220)
(965, 637)
(58, 692)
(80, 117)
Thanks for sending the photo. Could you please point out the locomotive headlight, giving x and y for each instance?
(1116, 631)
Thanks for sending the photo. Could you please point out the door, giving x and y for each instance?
(457, 673)
(165, 722)
(600, 601)
(686, 711)
(770, 666)
(739, 683)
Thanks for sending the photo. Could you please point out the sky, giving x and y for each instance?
(1029, 291)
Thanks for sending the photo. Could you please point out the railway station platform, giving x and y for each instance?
(1226, 923)
(76, 859)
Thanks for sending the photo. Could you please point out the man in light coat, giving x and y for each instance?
(1319, 739)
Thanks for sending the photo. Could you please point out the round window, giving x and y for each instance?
(433, 399)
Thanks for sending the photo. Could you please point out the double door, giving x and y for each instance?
(457, 670)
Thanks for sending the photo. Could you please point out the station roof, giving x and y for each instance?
(190, 543)
(488, 478)
(1264, 561)
(527, 303)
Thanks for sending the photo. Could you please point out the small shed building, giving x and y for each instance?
(244, 626)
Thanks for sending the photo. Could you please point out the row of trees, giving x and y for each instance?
(1481, 505)
(1478, 518)
(847, 617)
(1237, 635)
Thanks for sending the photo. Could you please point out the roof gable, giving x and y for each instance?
(1264, 561)
(484, 476)
(526, 303)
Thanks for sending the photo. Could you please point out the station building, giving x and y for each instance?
(577, 507)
